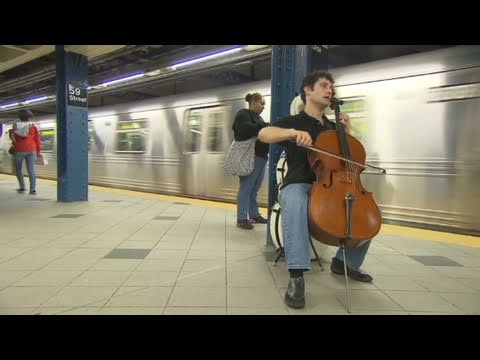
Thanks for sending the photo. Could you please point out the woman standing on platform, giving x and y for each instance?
(246, 125)
(25, 138)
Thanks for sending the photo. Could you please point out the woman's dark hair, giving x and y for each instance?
(311, 79)
(251, 98)
(25, 115)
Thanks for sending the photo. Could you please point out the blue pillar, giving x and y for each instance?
(72, 126)
(290, 64)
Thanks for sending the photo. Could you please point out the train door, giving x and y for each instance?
(6, 160)
(48, 146)
(204, 150)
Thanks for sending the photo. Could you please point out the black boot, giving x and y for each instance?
(295, 294)
(337, 268)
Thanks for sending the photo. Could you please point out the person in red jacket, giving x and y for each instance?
(25, 138)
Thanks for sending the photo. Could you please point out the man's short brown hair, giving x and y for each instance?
(311, 79)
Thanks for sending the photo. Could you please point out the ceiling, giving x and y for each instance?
(28, 71)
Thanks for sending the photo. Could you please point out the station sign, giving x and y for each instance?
(77, 95)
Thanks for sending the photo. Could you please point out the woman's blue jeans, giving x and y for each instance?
(30, 158)
(294, 206)
(247, 206)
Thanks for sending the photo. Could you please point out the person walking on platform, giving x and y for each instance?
(294, 133)
(25, 138)
(246, 125)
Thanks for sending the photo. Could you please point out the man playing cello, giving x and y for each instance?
(295, 133)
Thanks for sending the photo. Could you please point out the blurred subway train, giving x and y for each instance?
(417, 116)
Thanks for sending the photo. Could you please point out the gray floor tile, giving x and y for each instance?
(127, 254)
(166, 217)
(67, 216)
(435, 260)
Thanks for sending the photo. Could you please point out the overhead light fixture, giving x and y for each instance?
(127, 78)
(25, 102)
(9, 105)
(206, 57)
(28, 101)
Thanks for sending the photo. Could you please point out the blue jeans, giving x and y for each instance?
(247, 206)
(294, 206)
(30, 158)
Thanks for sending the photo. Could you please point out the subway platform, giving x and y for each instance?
(125, 252)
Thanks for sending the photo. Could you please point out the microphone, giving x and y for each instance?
(334, 101)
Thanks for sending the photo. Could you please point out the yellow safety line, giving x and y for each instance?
(449, 238)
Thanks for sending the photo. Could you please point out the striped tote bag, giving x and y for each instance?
(240, 157)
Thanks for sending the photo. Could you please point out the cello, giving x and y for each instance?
(341, 211)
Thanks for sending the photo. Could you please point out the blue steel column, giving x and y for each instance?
(72, 129)
(290, 64)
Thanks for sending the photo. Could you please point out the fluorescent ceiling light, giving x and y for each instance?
(207, 57)
(35, 100)
(131, 77)
(9, 105)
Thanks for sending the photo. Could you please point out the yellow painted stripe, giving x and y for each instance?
(449, 238)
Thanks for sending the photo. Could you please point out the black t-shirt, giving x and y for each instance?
(299, 170)
(246, 125)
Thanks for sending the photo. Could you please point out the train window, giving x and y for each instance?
(215, 130)
(131, 136)
(47, 138)
(194, 131)
(355, 107)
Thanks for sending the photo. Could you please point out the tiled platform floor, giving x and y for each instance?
(134, 253)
